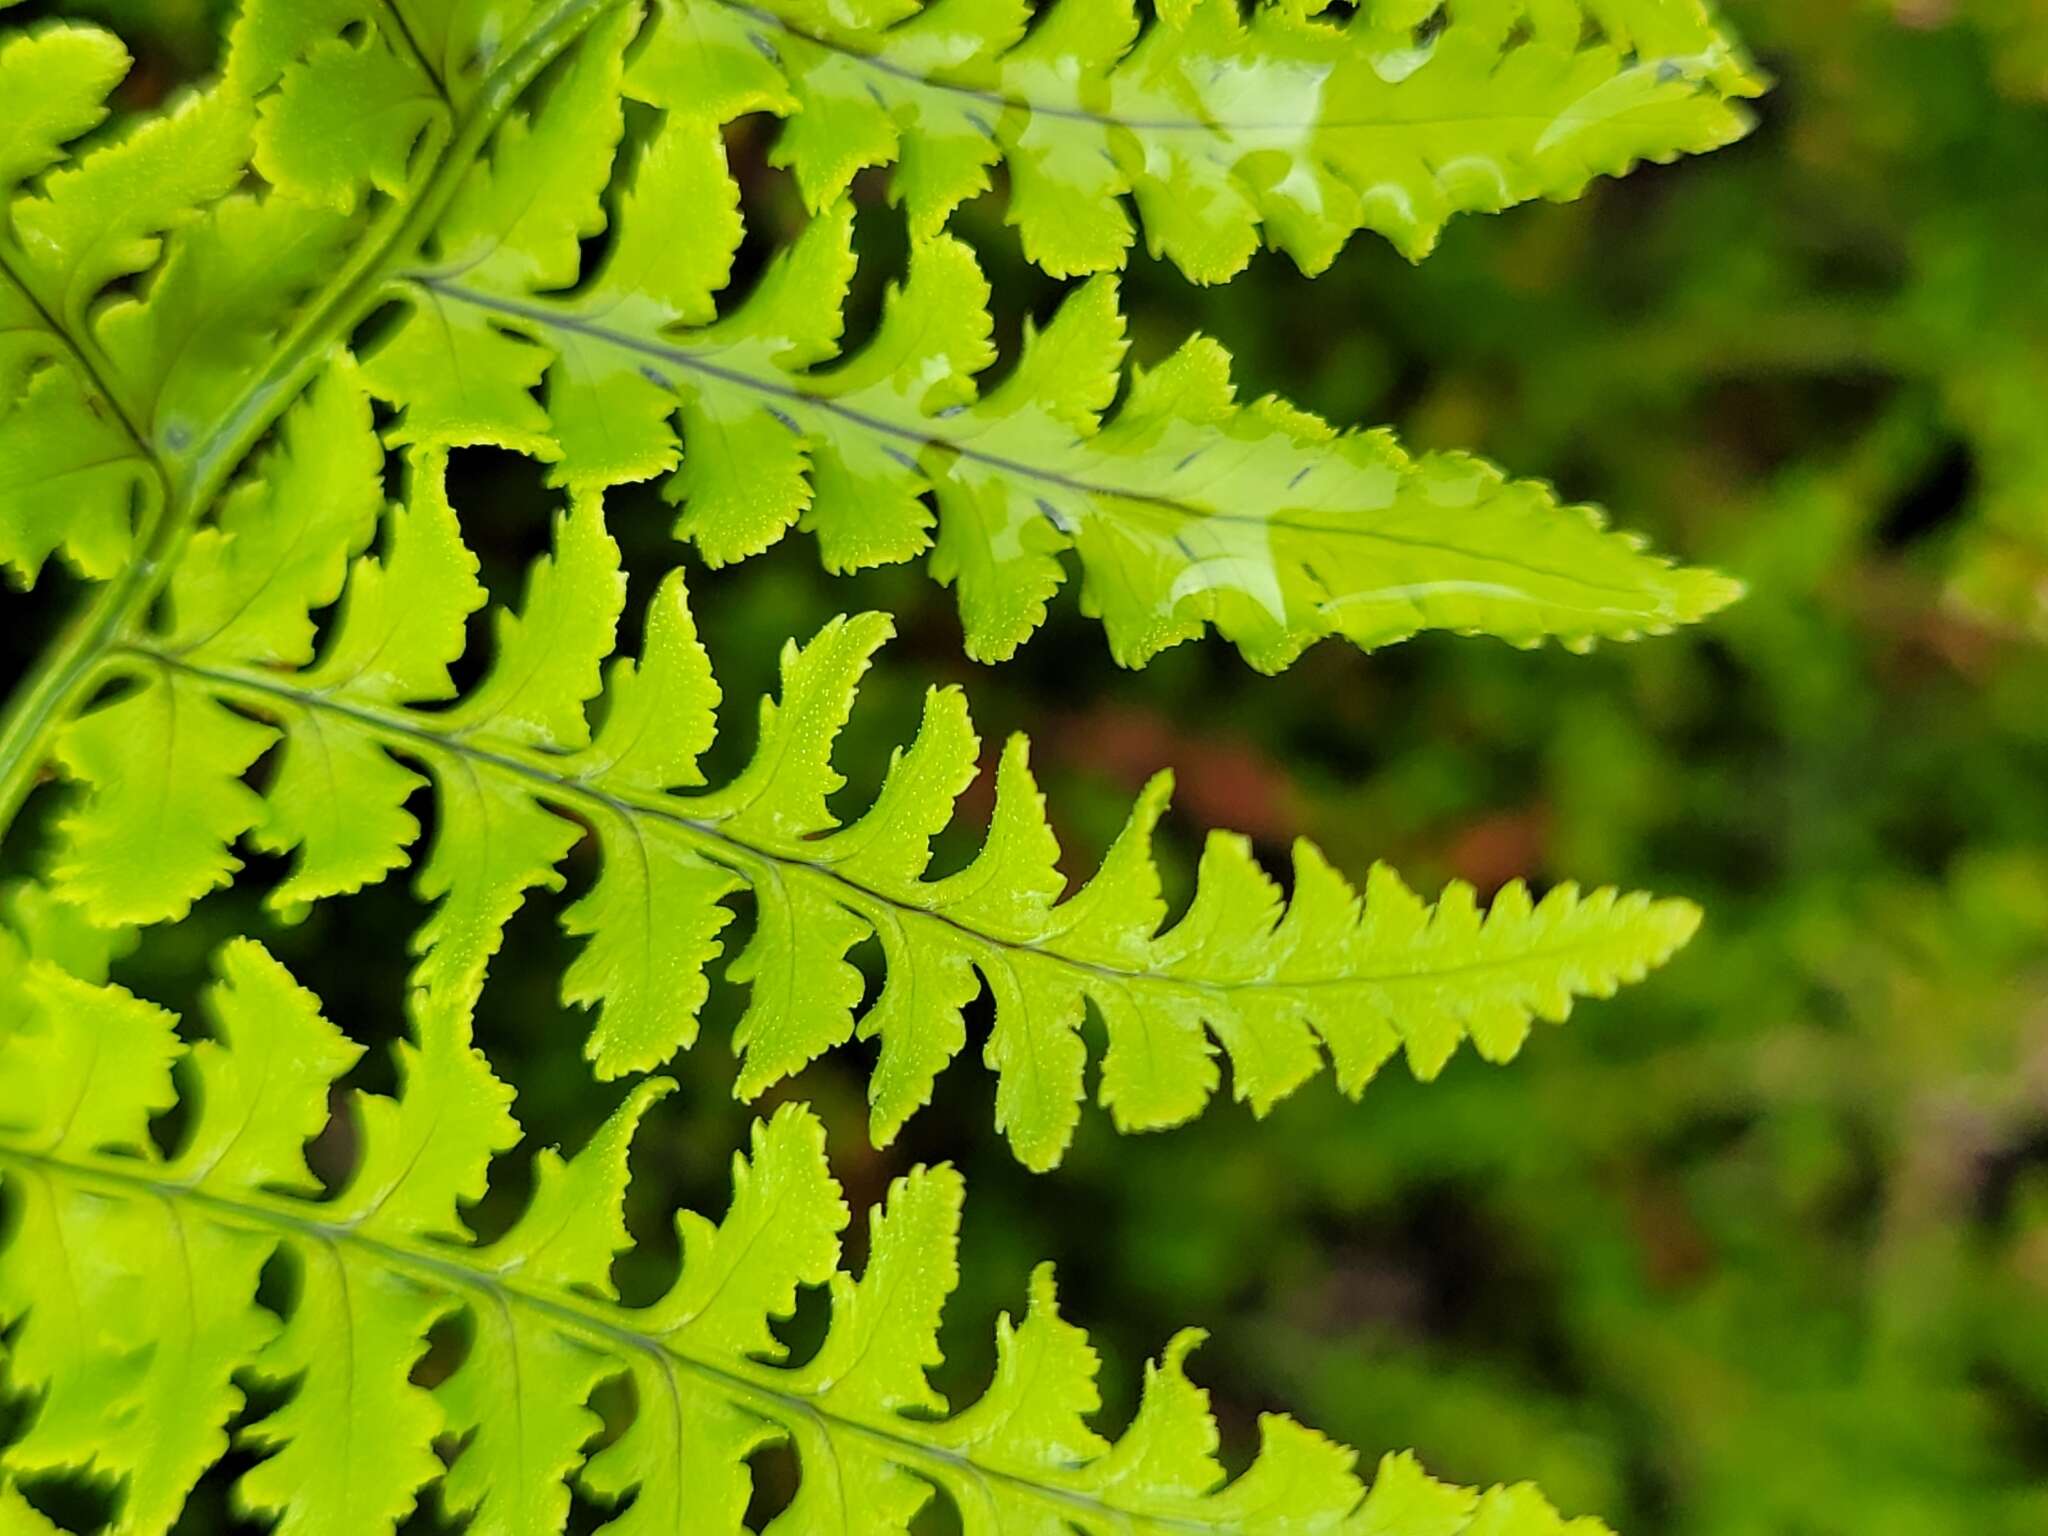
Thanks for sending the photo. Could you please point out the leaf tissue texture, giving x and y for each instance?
(549, 743)
(129, 1286)
(559, 265)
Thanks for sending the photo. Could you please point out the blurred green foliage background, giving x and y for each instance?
(1761, 1247)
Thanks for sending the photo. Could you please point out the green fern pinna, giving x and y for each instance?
(239, 338)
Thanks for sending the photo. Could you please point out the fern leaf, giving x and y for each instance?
(519, 775)
(131, 1347)
(1186, 508)
(1222, 129)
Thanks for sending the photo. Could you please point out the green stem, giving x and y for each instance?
(52, 690)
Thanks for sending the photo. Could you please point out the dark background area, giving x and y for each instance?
(1759, 1248)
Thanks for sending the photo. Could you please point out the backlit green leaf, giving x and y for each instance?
(1277, 981)
(154, 1314)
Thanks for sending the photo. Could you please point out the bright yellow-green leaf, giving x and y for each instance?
(1271, 984)
(1224, 129)
(55, 82)
(129, 1285)
(246, 587)
(105, 217)
(164, 761)
(529, 199)
(73, 466)
(68, 473)
(1186, 508)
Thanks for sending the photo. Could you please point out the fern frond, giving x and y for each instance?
(132, 1345)
(519, 773)
(1185, 507)
(1223, 129)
